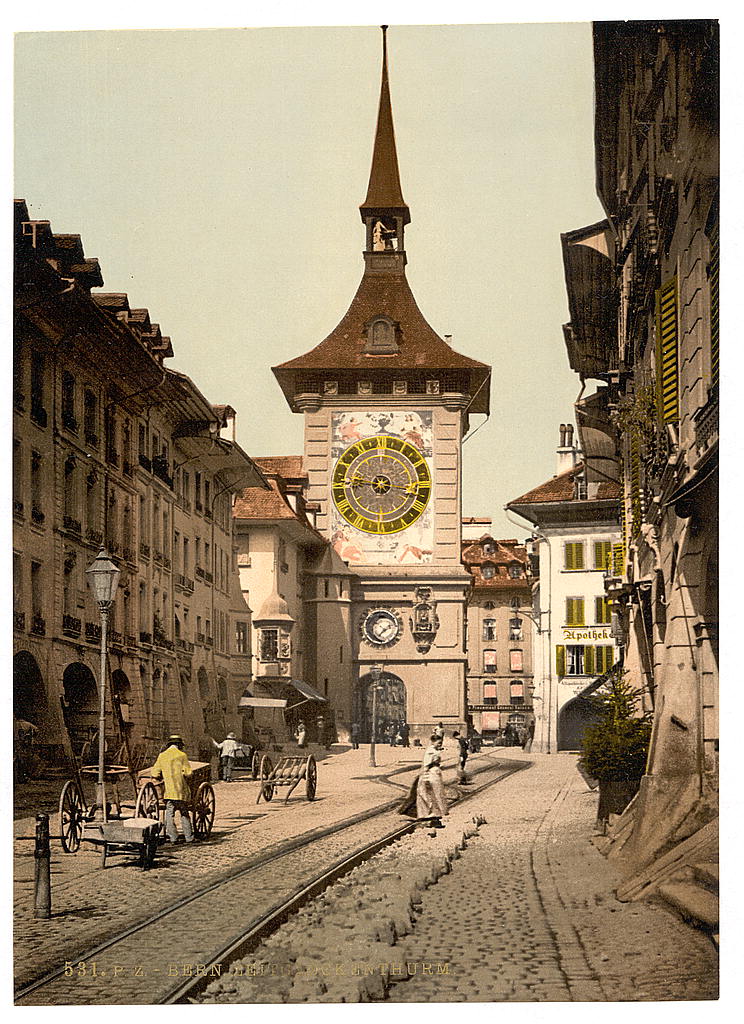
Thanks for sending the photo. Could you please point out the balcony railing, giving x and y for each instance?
(166, 561)
(127, 468)
(160, 470)
(19, 400)
(37, 516)
(158, 557)
(144, 550)
(93, 536)
(69, 422)
(115, 637)
(71, 626)
(130, 641)
(145, 638)
(91, 439)
(208, 577)
(112, 456)
(144, 462)
(127, 554)
(198, 572)
(184, 583)
(38, 625)
(19, 620)
(207, 514)
(18, 508)
(209, 641)
(92, 631)
(200, 638)
(185, 645)
(72, 525)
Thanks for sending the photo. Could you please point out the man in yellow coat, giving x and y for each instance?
(174, 769)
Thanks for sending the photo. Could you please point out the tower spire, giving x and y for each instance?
(384, 194)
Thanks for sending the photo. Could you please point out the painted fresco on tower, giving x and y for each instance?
(381, 486)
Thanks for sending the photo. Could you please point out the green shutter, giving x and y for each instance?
(589, 661)
(573, 555)
(667, 353)
(599, 609)
(560, 660)
(574, 611)
(618, 559)
(579, 607)
(602, 552)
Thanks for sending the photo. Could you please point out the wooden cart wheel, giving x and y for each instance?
(204, 808)
(71, 816)
(264, 773)
(311, 777)
(255, 764)
(148, 803)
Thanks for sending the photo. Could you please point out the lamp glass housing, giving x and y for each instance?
(103, 578)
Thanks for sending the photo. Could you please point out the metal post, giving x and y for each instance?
(42, 880)
(372, 761)
(101, 786)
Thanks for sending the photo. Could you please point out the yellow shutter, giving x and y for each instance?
(667, 353)
(713, 271)
(560, 660)
(618, 559)
(588, 661)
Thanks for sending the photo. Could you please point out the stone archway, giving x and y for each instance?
(81, 705)
(391, 705)
(573, 719)
(29, 691)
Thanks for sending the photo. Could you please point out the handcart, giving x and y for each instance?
(151, 802)
(289, 772)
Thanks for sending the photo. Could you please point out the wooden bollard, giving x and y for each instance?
(42, 879)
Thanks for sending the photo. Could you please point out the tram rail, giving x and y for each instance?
(259, 887)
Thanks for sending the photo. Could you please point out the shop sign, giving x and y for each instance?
(597, 634)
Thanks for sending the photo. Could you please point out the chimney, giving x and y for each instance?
(566, 454)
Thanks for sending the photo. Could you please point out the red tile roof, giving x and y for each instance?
(257, 503)
(507, 553)
(288, 466)
(562, 488)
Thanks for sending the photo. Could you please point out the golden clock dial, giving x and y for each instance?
(381, 484)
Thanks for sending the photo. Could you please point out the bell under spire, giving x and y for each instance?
(384, 211)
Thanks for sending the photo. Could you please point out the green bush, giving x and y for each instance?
(615, 747)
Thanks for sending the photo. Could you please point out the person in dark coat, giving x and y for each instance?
(405, 733)
(355, 730)
(463, 752)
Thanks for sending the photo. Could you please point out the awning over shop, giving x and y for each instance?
(261, 702)
(307, 691)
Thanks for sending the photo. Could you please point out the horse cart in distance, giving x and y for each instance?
(289, 772)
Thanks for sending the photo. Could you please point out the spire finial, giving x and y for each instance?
(384, 193)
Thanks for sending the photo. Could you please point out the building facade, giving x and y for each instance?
(299, 592)
(386, 402)
(576, 526)
(499, 636)
(113, 449)
(645, 321)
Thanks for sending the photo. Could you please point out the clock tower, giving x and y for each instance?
(386, 403)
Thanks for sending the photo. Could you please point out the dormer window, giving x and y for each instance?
(488, 571)
(381, 333)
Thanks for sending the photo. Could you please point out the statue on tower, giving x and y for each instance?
(383, 234)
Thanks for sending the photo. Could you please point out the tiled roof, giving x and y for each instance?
(288, 466)
(257, 503)
(506, 554)
(420, 345)
(561, 488)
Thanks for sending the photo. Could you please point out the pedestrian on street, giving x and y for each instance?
(320, 727)
(462, 755)
(439, 731)
(529, 737)
(431, 803)
(405, 733)
(227, 750)
(355, 730)
(301, 734)
(173, 767)
(393, 734)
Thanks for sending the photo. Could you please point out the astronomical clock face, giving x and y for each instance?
(381, 484)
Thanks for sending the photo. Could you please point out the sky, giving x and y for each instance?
(216, 175)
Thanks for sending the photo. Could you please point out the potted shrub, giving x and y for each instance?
(616, 746)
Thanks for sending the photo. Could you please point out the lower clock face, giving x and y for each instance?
(381, 627)
(381, 484)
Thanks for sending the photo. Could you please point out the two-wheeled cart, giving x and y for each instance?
(289, 772)
(151, 801)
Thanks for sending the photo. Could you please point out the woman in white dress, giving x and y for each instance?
(431, 803)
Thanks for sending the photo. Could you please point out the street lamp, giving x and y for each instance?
(103, 579)
(376, 672)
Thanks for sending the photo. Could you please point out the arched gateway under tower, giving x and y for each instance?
(386, 402)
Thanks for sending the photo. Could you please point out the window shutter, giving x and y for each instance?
(560, 660)
(713, 280)
(618, 559)
(667, 355)
(589, 661)
(602, 553)
(579, 610)
(568, 556)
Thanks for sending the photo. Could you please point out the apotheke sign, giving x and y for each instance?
(575, 636)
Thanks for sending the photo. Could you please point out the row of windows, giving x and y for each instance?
(516, 692)
(516, 661)
(580, 660)
(490, 633)
(576, 614)
(574, 555)
(153, 449)
(488, 571)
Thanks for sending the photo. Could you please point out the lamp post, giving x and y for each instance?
(376, 671)
(103, 579)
